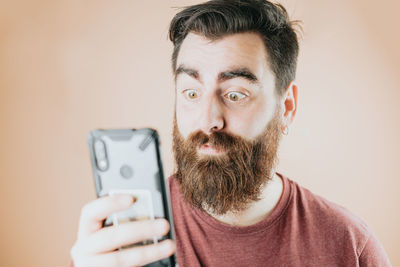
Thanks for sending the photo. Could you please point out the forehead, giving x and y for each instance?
(235, 50)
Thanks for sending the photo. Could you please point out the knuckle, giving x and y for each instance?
(74, 251)
(84, 210)
(87, 211)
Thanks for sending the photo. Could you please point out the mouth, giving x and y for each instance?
(206, 149)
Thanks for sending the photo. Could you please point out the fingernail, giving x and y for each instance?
(125, 200)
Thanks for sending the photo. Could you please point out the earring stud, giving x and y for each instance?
(285, 130)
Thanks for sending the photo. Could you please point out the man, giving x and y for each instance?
(234, 64)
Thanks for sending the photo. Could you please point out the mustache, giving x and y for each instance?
(218, 140)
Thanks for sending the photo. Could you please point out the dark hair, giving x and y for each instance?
(216, 18)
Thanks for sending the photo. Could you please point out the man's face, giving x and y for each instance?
(227, 123)
(224, 85)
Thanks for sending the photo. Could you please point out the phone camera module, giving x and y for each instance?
(101, 155)
(126, 171)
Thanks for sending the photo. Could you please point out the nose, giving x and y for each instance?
(212, 117)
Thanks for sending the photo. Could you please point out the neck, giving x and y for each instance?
(259, 210)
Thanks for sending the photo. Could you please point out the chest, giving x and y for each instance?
(202, 245)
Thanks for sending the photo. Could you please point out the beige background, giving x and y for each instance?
(70, 66)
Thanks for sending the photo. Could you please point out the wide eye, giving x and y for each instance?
(191, 93)
(235, 96)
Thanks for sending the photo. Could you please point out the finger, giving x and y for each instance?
(111, 238)
(137, 256)
(93, 213)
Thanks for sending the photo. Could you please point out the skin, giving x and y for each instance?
(213, 93)
(212, 109)
(95, 246)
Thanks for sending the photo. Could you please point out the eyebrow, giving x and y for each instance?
(231, 73)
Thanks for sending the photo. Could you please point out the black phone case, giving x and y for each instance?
(130, 159)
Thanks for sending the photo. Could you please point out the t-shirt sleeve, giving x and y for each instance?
(373, 254)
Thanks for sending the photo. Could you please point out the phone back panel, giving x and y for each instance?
(129, 159)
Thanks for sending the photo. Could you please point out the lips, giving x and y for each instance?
(210, 150)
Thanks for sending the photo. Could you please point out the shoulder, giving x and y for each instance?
(322, 209)
(345, 232)
(328, 219)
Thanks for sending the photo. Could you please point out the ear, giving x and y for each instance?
(289, 104)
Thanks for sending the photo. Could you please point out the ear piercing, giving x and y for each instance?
(286, 130)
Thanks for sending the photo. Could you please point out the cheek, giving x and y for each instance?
(248, 124)
(251, 122)
(185, 119)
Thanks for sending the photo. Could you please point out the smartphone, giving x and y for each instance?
(128, 161)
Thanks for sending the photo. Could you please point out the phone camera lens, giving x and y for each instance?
(126, 171)
(102, 165)
(99, 149)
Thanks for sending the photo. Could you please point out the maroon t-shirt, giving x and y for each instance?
(302, 230)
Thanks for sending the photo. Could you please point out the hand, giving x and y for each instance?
(96, 246)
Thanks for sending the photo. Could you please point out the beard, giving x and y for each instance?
(230, 181)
